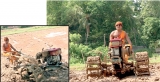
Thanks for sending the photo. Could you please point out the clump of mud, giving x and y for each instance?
(29, 71)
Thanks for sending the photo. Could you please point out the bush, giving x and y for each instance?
(101, 49)
(76, 49)
(76, 38)
(75, 60)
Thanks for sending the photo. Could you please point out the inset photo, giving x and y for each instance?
(34, 53)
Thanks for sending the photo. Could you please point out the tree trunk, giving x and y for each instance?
(135, 35)
(86, 38)
(104, 40)
(87, 30)
(87, 24)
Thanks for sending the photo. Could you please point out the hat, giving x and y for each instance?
(118, 23)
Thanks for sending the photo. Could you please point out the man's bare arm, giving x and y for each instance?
(110, 37)
(128, 39)
(13, 48)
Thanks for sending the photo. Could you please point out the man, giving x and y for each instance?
(7, 49)
(121, 34)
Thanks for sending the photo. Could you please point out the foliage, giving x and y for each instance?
(151, 29)
(92, 19)
(74, 60)
(101, 50)
(76, 38)
(79, 51)
(3, 27)
(76, 50)
(150, 9)
(158, 44)
(149, 50)
(25, 26)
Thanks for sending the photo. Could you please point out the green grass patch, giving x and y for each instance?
(22, 30)
(155, 58)
(76, 60)
(77, 66)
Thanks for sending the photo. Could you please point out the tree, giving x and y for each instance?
(54, 11)
(149, 18)
(94, 18)
(150, 9)
(151, 29)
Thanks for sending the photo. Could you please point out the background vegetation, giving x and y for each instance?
(90, 20)
(8, 30)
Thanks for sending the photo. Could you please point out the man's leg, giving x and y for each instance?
(125, 55)
(7, 54)
(13, 59)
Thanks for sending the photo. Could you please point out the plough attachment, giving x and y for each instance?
(94, 66)
(142, 63)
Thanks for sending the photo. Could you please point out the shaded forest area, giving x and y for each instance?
(91, 22)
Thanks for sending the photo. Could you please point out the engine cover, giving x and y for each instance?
(50, 56)
(115, 43)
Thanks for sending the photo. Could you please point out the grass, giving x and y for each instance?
(155, 58)
(77, 66)
(22, 30)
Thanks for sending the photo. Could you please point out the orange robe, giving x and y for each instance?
(8, 49)
(8, 53)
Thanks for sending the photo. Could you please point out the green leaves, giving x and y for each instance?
(76, 38)
(150, 9)
(95, 18)
(151, 29)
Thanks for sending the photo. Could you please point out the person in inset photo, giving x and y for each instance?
(7, 49)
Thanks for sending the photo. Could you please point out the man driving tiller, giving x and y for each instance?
(121, 34)
(7, 50)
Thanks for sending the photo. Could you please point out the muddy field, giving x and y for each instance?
(80, 76)
(33, 42)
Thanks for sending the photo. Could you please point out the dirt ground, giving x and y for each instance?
(33, 42)
(80, 76)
